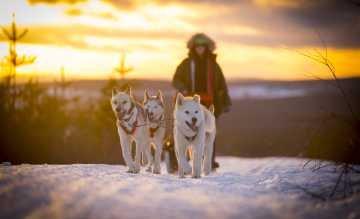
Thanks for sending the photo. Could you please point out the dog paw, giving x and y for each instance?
(130, 171)
(181, 174)
(133, 170)
(206, 172)
(149, 169)
(187, 169)
(136, 170)
(156, 171)
(196, 176)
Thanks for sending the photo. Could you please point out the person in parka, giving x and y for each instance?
(199, 73)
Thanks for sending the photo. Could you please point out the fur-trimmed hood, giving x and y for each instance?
(201, 38)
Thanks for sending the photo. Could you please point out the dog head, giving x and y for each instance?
(121, 101)
(154, 105)
(188, 111)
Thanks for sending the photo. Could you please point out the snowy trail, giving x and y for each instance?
(242, 188)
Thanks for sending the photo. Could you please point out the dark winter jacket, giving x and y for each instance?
(182, 82)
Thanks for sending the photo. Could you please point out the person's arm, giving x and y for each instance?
(179, 78)
(222, 89)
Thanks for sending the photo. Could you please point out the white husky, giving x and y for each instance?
(194, 126)
(131, 125)
(154, 110)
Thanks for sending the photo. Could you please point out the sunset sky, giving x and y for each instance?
(255, 38)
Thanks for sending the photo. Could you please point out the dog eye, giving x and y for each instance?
(187, 112)
(196, 111)
(115, 102)
(124, 102)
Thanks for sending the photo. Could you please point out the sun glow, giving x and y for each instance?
(88, 39)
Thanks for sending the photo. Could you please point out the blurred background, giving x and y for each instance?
(292, 69)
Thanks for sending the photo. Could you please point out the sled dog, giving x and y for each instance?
(194, 126)
(155, 120)
(131, 126)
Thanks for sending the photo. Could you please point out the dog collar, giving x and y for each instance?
(133, 126)
(131, 108)
(190, 138)
(153, 130)
(131, 130)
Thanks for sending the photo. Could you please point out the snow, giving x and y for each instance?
(241, 188)
(265, 92)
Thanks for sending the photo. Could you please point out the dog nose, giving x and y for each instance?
(151, 113)
(117, 109)
(193, 119)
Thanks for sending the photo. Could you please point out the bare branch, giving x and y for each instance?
(22, 34)
(6, 32)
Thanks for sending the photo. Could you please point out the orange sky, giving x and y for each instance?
(256, 39)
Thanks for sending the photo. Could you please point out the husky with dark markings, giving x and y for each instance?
(155, 119)
(131, 125)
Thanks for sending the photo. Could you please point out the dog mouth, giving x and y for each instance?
(192, 126)
(152, 116)
(120, 113)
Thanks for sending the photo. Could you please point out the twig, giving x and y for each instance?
(337, 184)
(312, 194)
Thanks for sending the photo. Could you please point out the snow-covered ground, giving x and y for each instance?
(265, 92)
(241, 188)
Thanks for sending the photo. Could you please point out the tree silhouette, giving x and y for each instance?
(122, 70)
(14, 35)
(346, 157)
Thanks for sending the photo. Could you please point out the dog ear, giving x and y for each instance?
(114, 91)
(196, 98)
(179, 99)
(212, 108)
(159, 96)
(128, 90)
(146, 96)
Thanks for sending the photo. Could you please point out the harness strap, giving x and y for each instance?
(153, 130)
(190, 138)
(192, 75)
(131, 108)
(129, 131)
(133, 126)
(207, 97)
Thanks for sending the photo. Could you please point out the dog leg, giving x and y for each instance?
(158, 151)
(145, 162)
(198, 152)
(180, 154)
(126, 152)
(167, 162)
(196, 171)
(149, 157)
(187, 166)
(209, 149)
(138, 156)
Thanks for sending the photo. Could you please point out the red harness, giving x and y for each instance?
(129, 131)
(153, 130)
(133, 126)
